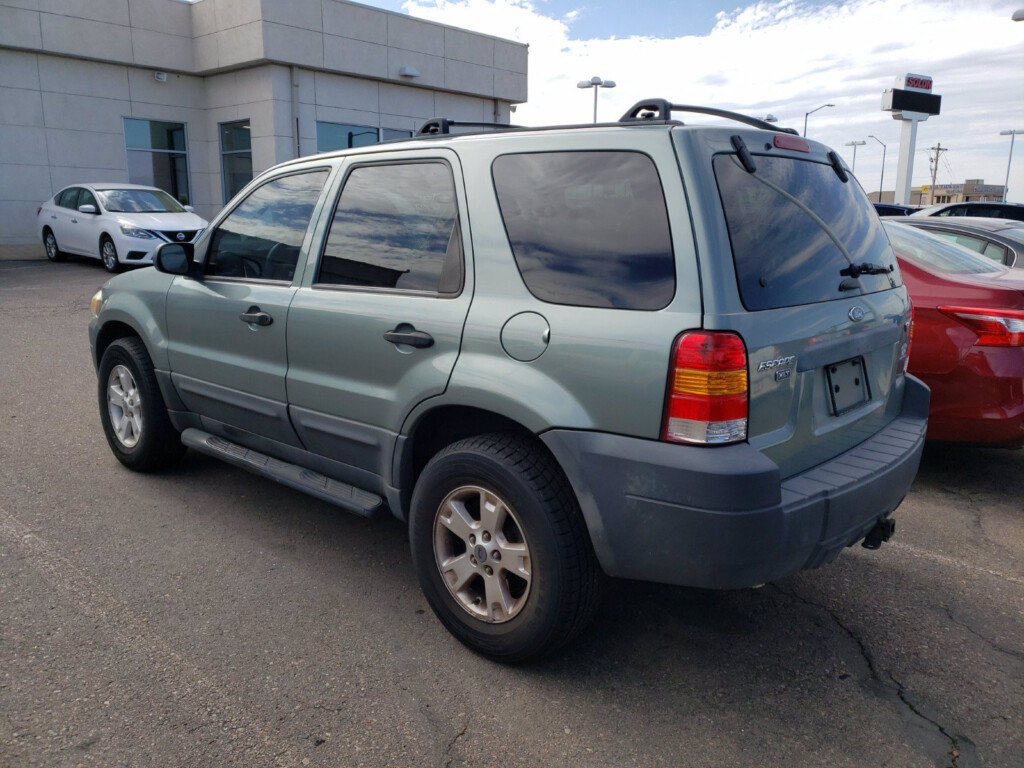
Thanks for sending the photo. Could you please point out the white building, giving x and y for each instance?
(196, 98)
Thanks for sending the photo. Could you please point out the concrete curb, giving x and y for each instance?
(22, 252)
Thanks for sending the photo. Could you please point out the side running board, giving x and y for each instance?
(346, 496)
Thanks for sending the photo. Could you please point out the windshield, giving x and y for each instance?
(935, 253)
(139, 201)
(800, 235)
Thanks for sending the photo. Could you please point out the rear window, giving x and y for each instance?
(794, 225)
(936, 253)
(588, 229)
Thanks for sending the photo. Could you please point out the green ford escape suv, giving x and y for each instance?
(645, 349)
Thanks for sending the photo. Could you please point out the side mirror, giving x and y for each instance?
(87, 209)
(189, 208)
(174, 258)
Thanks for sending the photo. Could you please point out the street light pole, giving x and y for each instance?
(1012, 135)
(855, 144)
(881, 180)
(595, 83)
(807, 114)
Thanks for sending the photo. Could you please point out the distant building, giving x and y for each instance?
(196, 98)
(972, 190)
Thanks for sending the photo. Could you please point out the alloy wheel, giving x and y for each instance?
(109, 254)
(124, 404)
(51, 246)
(482, 554)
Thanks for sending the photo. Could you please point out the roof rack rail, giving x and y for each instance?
(442, 125)
(662, 109)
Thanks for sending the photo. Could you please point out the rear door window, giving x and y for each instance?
(588, 229)
(795, 226)
(396, 227)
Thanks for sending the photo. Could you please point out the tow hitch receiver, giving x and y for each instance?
(882, 531)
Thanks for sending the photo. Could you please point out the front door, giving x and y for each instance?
(227, 330)
(64, 220)
(377, 325)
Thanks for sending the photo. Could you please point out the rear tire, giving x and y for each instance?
(501, 549)
(53, 252)
(108, 254)
(132, 410)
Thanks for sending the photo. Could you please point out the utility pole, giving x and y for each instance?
(938, 149)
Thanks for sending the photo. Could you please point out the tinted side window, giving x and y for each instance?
(588, 229)
(981, 210)
(395, 227)
(68, 198)
(261, 237)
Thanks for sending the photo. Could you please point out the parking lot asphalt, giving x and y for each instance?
(207, 617)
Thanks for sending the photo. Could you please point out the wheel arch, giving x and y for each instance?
(110, 332)
(434, 429)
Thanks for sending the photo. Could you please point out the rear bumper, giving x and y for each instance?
(721, 517)
(981, 400)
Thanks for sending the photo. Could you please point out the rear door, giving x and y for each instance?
(227, 330)
(821, 305)
(377, 325)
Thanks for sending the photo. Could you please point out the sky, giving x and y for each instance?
(779, 57)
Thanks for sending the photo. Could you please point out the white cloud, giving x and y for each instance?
(787, 57)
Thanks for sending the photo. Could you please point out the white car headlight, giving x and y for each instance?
(131, 231)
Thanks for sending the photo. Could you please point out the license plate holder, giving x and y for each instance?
(847, 385)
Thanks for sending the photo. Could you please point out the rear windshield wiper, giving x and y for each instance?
(865, 268)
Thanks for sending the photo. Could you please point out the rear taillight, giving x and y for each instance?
(995, 327)
(707, 389)
(910, 336)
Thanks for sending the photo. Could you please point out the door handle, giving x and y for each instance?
(74, 221)
(53, 217)
(420, 339)
(255, 316)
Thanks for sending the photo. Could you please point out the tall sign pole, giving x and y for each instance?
(912, 102)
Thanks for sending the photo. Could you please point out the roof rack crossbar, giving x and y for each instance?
(662, 109)
(442, 125)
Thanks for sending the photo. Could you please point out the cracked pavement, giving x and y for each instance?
(207, 617)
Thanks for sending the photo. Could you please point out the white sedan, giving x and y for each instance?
(117, 223)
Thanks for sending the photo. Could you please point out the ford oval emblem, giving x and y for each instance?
(180, 235)
(857, 314)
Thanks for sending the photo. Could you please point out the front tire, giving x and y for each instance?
(501, 549)
(108, 254)
(132, 410)
(53, 252)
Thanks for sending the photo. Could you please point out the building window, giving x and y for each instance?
(332, 136)
(157, 156)
(235, 157)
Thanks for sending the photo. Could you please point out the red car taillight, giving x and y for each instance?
(910, 336)
(995, 327)
(707, 389)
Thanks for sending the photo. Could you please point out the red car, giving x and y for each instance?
(968, 338)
